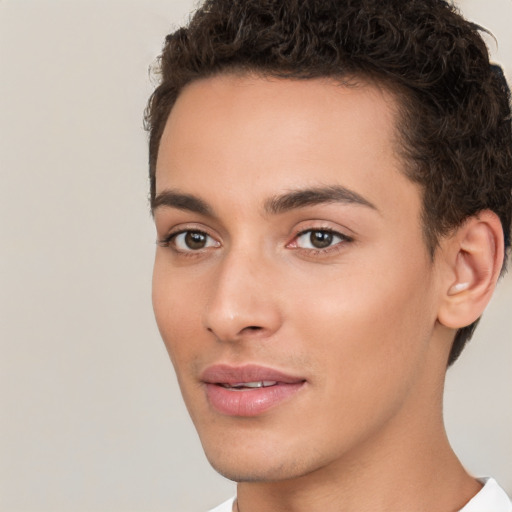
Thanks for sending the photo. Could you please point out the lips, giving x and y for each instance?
(250, 385)
(248, 390)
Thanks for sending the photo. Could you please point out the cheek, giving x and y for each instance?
(177, 309)
(367, 348)
(368, 326)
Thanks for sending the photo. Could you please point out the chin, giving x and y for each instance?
(258, 465)
(244, 470)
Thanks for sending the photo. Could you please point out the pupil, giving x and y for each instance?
(195, 240)
(321, 239)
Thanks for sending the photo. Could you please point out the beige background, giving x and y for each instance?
(91, 418)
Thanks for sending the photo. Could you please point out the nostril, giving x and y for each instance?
(249, 328)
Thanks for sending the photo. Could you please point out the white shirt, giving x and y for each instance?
(491, 498)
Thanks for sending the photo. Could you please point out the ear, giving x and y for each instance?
(472, 258)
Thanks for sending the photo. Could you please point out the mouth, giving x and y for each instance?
(248, 390)
(239, 386)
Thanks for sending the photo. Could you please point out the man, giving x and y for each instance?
(331, 186)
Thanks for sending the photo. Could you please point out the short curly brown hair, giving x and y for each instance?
(455, 125)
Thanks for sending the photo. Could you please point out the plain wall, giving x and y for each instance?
(91, 416)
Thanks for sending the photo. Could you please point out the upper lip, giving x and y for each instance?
(226, 374)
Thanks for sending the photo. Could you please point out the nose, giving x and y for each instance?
(242, 302)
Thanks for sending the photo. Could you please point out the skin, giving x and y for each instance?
(357, 320)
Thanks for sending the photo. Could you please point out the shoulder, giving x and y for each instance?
(227, 506)
(491, 497)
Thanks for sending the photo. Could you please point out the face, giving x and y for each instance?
(292, 285)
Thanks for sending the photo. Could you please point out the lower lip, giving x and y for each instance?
(249, 402)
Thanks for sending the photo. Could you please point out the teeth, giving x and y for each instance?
(258, 384)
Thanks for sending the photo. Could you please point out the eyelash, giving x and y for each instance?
(169, 241)
(344, 239)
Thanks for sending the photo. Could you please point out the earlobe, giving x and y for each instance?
(473, 256)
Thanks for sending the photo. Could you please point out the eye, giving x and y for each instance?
(318, 239)
(187, 241)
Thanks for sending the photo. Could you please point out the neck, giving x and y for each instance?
(410, 465)
(385, 481)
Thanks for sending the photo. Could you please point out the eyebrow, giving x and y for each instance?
(293, 200)
(313, 196)
(180, 201)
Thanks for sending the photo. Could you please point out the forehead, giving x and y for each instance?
(250, 137)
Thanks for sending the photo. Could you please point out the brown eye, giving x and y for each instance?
(187, 241)
(195, 240)
(321, 239)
